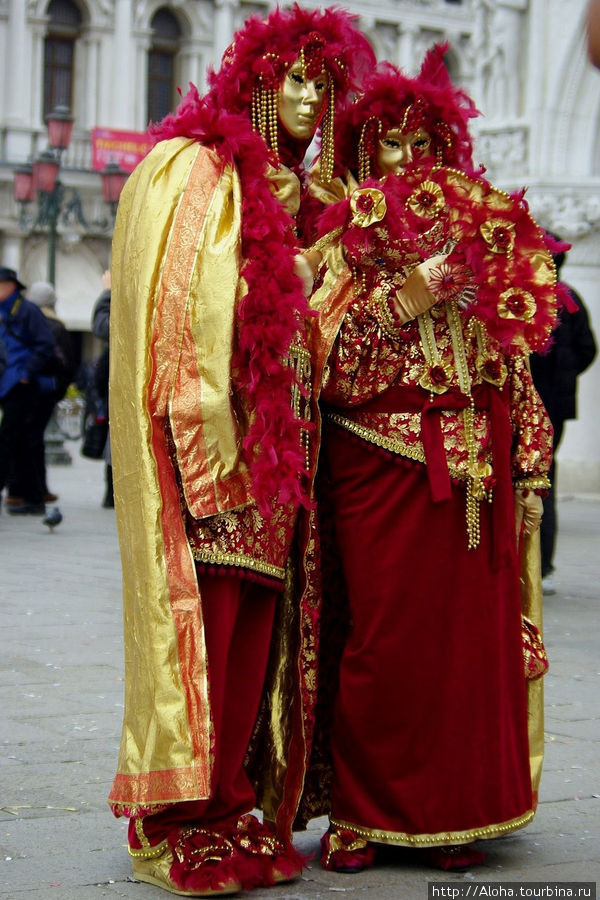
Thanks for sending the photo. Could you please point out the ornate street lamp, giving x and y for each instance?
(60, 127)
(42, 180)
(113, 180)
(23, 184)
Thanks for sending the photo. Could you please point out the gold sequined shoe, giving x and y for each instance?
(189, 871)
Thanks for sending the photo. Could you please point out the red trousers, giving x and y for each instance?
(238, 620)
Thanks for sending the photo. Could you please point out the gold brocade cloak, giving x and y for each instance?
(175, 287)
(175, 282)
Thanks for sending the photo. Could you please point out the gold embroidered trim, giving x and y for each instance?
(432, 358)
(540, 481)
(383, 313)
(140, 834)
(218, 558)
(386, 443)
(476, 474)
(325, 242)
(149, 852)
(300, 362)
(442, 837)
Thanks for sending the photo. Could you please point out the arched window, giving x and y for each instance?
(166, 36)
(59, 54)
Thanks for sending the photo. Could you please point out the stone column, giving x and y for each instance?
(224, 26)
(407, 41)
(91, 115)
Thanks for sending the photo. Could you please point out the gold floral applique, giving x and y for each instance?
(367, 206)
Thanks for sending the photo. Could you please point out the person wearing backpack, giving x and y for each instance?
(30, 344)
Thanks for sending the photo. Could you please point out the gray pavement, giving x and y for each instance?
(61, 682)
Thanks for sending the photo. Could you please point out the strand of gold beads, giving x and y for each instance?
(476, 491)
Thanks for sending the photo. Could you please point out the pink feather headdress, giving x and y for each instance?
(390, 99)
(274, 307)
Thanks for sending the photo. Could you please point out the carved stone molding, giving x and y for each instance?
(503, 152)
(574, 213)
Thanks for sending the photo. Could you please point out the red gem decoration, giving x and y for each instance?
(313, 55)
(438, 376)
(365, 203)
(517, 305)
(502, 237)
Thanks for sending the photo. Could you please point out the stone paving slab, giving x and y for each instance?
(61, 696)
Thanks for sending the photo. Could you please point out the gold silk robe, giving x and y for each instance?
(175, 286)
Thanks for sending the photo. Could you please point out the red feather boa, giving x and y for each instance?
(273, 309)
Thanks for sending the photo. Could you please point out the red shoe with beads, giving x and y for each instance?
(262, 859)
(454, 857)
(342, 850)
(190, 862)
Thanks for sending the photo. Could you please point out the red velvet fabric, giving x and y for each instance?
(238, 620)
(430, 724)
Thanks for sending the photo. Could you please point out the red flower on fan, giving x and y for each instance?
(447, 281)
(516, 304)
(499, 235)
(427, 201)
(502, 237)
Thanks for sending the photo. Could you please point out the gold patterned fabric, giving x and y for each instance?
(182, 493)
(356, 359)
(364, 363)
(175, 283)
(177, 202)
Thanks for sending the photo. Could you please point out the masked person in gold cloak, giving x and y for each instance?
(434, 286)
(210, 393)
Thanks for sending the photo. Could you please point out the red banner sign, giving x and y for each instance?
(126, 148)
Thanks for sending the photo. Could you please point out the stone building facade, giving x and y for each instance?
(117, 63)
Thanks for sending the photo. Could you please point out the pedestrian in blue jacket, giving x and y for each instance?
(30, 349)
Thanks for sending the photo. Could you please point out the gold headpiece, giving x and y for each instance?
(366, 147)
(263, 112)
(265, 118)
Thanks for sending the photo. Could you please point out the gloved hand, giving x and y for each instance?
(285, 184)
(303, 270)
(528, 511)
(415, 296)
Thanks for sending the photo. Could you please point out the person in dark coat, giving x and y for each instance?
(53, 385)
(555, 376)
(30, 348)
(101, 329)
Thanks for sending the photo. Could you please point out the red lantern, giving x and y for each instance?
(60, 126)
(45, 172)
(113, 179)
(23, 183)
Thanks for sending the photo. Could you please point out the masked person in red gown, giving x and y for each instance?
(433, 288)
(209, 397)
